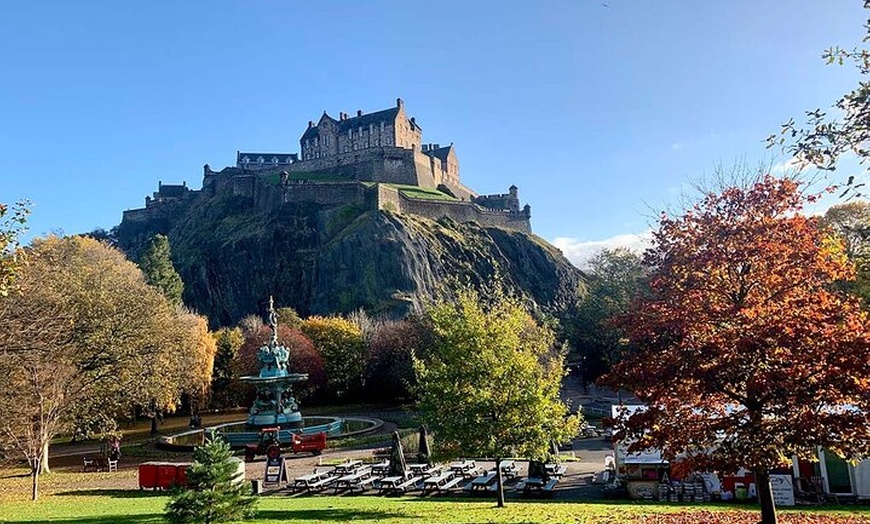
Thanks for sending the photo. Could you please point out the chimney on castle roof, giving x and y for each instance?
(310, 124)
(399, 103)
(413, 122)
(359, 112)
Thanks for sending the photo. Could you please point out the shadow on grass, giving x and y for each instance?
(112, 493)
(151, 518)
(327, 515)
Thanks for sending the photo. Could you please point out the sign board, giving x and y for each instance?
(782, 487)
(276, 471)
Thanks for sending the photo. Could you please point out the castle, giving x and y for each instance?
(375, 160)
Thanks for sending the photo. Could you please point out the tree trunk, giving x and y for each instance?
(499, 484)
(43, 460)
(154, 425)
(34, 482)
(765, 497)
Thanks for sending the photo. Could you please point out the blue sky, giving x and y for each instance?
(600, 112)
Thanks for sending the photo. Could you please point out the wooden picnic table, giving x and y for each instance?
(555, 470)
(381, 469)
(352, 479)
(318, 480)
(463, 466)
(442, 482)
(424, 470)
(348, 467)
(483, 482)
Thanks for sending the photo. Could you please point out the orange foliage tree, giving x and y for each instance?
(747, 355)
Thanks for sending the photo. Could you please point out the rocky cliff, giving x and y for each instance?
(322, 260)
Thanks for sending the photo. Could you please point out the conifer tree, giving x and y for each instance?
(156, 263)
(214, 492)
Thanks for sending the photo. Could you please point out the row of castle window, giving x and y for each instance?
(261, 160)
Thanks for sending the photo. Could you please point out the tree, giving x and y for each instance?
(196, 365)
(822, 141)
(617, 277)
(489, 383)
(851, 222)
(745, 353)
(156, 264)
(83, 312)
(341, 344)
(225, 376)
(390, 367)
(11, 225)
(215, 491)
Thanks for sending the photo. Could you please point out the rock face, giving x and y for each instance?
(322, 260)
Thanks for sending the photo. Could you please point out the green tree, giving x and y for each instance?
(215, 491)
(851, 223)
(823, 140)
(617, 278)
(489, 383)
(224, 380)
(156, 264)
(340, 343)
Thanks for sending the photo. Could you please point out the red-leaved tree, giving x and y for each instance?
(304, 358)
(747, 354)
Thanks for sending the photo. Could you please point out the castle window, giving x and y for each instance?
(260, 160)
(274, 160)
(326, 140)
(315, 142)
(350, 133)
(382, 126)
(246, 160)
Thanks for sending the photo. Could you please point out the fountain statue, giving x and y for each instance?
(275, 405)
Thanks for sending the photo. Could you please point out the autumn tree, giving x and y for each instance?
(616, 277)
(823, 140)
(489, 382)
(83, 312)
(746, 355)
(340, 343)
(11, 225)
(156, 264)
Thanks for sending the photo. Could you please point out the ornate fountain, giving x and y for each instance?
(275, 405)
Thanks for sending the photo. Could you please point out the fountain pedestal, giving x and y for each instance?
(275, 405)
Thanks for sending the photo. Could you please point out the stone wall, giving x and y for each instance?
(393, 200)
(328, 193)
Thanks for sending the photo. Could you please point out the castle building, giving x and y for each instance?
(371, 159)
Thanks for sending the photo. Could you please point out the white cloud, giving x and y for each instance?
(579, 252)
(792, 165)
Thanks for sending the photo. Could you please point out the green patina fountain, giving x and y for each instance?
(275, 405)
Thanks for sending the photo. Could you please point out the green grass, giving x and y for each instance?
(422, 193)
(135, 507)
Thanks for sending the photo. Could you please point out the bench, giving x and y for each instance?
(363, 484)
(450, 485)
(320, 484)
(410, 483)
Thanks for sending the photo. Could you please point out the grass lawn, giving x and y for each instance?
(422, 193)
(133, 506)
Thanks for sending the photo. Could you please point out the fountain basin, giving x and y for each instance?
(239, 434)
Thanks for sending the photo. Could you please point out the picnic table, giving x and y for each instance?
(313, 481)
(381, 468)
(345, 468)
(537, 486)
(423, 469)
(555, 470)
(398, 484)
(483, 482)
(462, 467)
(443, 482)
(354, 480)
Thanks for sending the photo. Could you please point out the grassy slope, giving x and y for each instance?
(144, 507)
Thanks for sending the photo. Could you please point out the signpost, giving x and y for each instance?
(782, 487)
(276, 467)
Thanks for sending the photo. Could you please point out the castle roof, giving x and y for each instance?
(267, 157)
(364, 120)
(441, 152)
